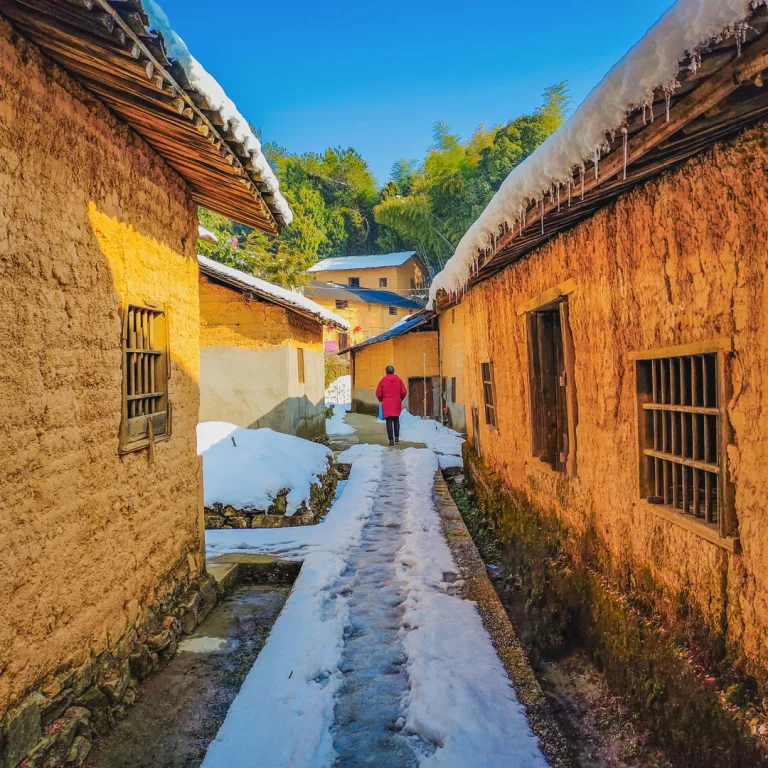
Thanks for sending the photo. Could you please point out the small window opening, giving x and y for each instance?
(382, 282)
(354, 282)
(393, 310)
(453, 389)
(145, 405)
(489, 393)
(343, 341)
(300, 362)
(341, 304)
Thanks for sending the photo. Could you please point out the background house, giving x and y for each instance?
(613, 347)
(404, 273)
(107, 151)
(411, 347)
(368, 312)
(262, 362)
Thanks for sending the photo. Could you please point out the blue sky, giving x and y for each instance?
(376, 76)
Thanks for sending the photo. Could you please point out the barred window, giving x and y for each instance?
(681, 427)
(146, 416)
(341, 304)
(489, 393)
(382, 282)
(393, 310)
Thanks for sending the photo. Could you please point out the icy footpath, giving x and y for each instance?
(376, 660)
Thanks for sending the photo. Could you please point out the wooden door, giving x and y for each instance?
(420, 398)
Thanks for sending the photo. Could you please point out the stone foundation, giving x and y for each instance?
(655, 649)
(321, 495)
(55, 724)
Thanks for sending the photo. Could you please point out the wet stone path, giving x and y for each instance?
(369, 703)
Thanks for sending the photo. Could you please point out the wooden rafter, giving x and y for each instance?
(106, 46)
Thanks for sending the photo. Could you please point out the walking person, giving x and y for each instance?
(390, 393)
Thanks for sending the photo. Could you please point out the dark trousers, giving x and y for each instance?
(393, 428)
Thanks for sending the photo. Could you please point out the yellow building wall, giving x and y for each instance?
(89, 539)
(450, 326)
(414, 355)
(398, 278)
(249, 363)
(677, 261)
(365, 320)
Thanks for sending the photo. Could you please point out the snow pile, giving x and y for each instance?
(247, 468)
(296, 299)
(460, 697)
(339, 392)
(206, 234)
(336, 263)
(285, 709)
(336, 425)
(218, 100)
(442, 440)
(653, 63)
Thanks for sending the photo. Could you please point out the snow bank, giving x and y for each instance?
(442, 440)
(249, 471)
(339, 392)
(460, 697)
(285, 709)
(336, 425)
(654, 62)
(214, 93)
(362, 262)
(298, 300)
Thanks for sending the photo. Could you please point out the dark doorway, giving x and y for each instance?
(420, 397)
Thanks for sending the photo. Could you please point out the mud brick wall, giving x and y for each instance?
(680, 260)
(249, 363)
(90, 539)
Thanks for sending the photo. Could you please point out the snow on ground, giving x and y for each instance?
(339, 392)
(285, 709)
(336, 425)
(460, 697)
(247, 468)
(653, 62)
(218, 100)
(439, 438)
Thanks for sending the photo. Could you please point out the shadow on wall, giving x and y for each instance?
(294, 416)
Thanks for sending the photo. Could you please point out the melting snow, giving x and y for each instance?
(442, 440)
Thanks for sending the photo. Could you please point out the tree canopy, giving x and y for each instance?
(426, 206)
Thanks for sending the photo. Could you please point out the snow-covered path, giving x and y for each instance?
(376, 659)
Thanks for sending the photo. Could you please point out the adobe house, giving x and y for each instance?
(107, 150)
(368, 311)
(411, 347)
(404, 273)
(262, 362)
(614, 345)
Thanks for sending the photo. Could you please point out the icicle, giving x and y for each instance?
(650, 109)
(570, 187)
(624, 131)
(644, 121)
(558, 198)
(597, 163)
(542, 215)
(668, 99)
(741, 36)
(695, 62)
(581, 173)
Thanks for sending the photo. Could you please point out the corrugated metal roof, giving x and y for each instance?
(339, 263)
(323, 290)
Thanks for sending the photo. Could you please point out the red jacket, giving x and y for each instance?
(390, 393)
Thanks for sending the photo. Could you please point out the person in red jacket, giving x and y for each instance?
(390, 393)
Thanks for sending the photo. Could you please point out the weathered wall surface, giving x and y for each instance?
(371, 319)
(397, 277)
(406, 353)
(89, 214)
(249, 364)
(451, 338)
(680, 260)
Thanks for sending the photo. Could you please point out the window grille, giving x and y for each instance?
(341, 304)
(489, 394)
(354, 281)
(382, 282)
(681, 455)
(300, 362)
(146, 414)
(393, 310)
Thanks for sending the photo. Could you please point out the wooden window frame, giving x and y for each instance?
(146, 416)
(699, 356)
(301, 371)
(342, 304)
(552, 301)
(488, 384)
(343, 340)
(382, 282)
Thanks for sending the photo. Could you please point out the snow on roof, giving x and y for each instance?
(338, 263)
(219, 101)
(206, 234)
(652, 63)
(271, 291)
